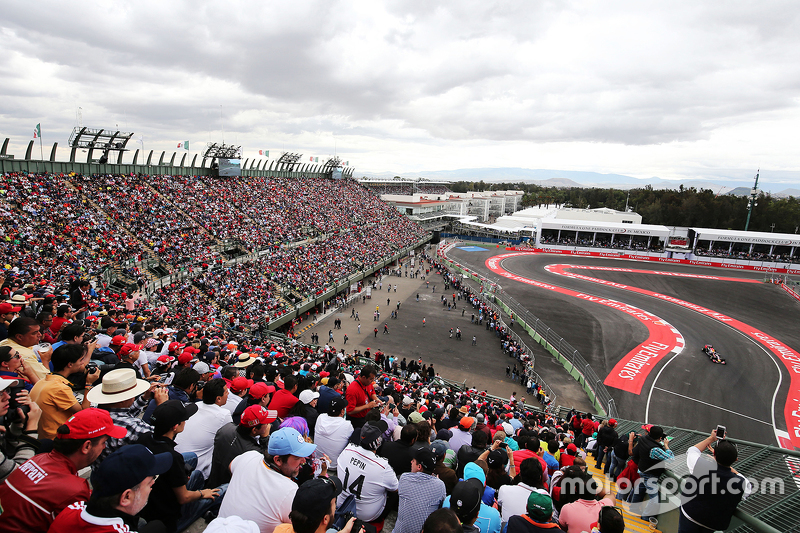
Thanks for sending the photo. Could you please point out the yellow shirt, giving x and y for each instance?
(30, 359)
(54, 396)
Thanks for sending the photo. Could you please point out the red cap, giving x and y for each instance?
(612, 422)
(571, 447)
(90, 423)
(175, 346)
(6, 308)
(166, 359)
(257, 414)
(239, 384)
(127, 348)
(118, 340)
(185, 358)
(258, 390)
(189, 349)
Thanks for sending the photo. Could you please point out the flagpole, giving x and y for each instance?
(41, 151)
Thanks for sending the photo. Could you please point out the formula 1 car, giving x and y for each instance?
(713, 355)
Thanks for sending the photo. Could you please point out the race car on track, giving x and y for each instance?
(713, 355)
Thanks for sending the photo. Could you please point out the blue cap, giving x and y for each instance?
(126, 468)
(473, 471)
(289, 441)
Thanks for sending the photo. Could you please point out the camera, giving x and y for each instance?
(91, 367)
(13, 405)
(721, 432)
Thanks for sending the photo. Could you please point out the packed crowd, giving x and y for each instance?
(744, 255)
(620, 243)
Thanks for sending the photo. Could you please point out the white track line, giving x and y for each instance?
(712, 405)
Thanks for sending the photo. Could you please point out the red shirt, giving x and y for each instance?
(76, 518)
(357, 396)
(521, 455)
(587, 427)
(283, 401)
(33, 495)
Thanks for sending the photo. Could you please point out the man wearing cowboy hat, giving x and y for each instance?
(125, 397)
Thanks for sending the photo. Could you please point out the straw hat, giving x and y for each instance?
(118, 386)
(244, 360)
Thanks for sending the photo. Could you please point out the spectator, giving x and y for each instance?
(284, 399)
(23, 334)
(13, 368)
(579, 515)
(361, 396)
(498, 460)
(259, 394)
(512, 499)
(125, 397)
(238, 389)
(446, 474)
(606, 437)
(232, 440)
(707, 508)
(328, 392)
(622, 449)
(420, 492)
(176, 501)
(649, 454)
(314, 507)
(365, 475)
(183, 387)
(469, 452)
(467, 503)
(198, 435)
(536, 519)
(462, 434)
(488, 518)
(54, 393)
(17, 444)
(36, 492)
(442, 521)
(400, 453)
(309, 399)
(333, 431)
(121, 487)
(261, 487)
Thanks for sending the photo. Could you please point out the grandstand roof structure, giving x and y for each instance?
(749, 237)
(399, 180)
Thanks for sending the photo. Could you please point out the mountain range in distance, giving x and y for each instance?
(781, 187)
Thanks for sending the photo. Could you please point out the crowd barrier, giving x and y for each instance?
(791, 292)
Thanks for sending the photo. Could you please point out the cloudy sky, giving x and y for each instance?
(677, 90)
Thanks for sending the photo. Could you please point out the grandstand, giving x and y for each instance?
(234, 258)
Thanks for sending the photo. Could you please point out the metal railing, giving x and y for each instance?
(569, 357)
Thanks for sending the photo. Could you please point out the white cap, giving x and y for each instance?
(308, 396)
(202, 367)
(231, 524)
(6, 383)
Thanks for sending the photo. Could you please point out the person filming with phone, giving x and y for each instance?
(715, 488)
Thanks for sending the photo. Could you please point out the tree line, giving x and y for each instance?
(669, 207)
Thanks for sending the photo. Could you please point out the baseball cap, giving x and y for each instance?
(90, 423)
(444, 434)
(313, 498)
(175, 346)
(232, 524)
(126, 468)
(540, 507)
(258, 390)
(572, 449)
(466, 497)
(371, 434)
(288, 441)
(165, 359)
(439, 447)
(6, 383)
(612, 422)
(6, 308)
(415, 418)
(201, 367)
(481, 419)
(472, 470)
(139, 336)
(170, 413)
(466, 422)
(241, 383)
(426, 457)
(118, 340)
(497, 458)
(337, 404)
(127, 349)
(308, 396)
(257, 414)
(407, 400)
(185, 357)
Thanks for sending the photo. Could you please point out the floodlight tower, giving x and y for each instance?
(751, 203)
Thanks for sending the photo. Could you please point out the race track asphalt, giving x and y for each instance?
(747, 395)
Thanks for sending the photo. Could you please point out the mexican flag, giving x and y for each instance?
(37, 131)
(316, 160)
(184, 145)
(264, 153)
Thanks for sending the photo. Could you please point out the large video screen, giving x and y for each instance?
(230, 167)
